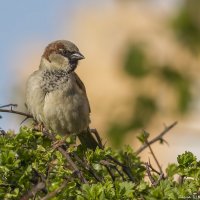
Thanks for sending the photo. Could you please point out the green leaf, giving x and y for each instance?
(187, 159)
(143, 137)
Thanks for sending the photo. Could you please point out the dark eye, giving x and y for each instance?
(64, 52)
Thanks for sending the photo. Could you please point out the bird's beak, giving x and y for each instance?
(77, 56)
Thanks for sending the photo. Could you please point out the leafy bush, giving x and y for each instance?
(32, 168)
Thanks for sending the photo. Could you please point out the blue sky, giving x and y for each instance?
(21, 21)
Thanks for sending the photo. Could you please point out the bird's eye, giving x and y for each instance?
(64, 52)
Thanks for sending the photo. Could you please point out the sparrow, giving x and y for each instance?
(56, 96)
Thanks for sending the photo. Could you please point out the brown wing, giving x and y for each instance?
(82, 87)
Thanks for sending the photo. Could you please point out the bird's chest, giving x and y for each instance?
(66, 106)
(66, 97)
(54, 80)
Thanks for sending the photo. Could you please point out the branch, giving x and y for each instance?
(157, 138)
(153, 169)
(88, 167)
(55, 192)
(9, 105)
(154, 156)
(125, 168)
(107, 165)
(149, 174)
(77, 172)
(39, 186)
(152, 180)
(16, 112)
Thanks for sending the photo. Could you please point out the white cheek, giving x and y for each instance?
(56, 62)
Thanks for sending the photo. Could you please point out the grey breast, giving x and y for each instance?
(65, 108)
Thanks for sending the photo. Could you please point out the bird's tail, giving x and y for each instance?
(87, 139)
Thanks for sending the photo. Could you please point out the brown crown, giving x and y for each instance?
(52, 48)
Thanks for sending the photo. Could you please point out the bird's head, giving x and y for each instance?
(61, 54)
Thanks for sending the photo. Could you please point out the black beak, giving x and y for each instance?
(77, 56)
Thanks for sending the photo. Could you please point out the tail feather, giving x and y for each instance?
(87, 140)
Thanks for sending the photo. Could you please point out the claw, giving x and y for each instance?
(59, 143)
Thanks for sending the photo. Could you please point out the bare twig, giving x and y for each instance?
(106, 165)
(119, 172)
(149, 174)
(157, 138)
(125, 168)
(105, 162)
(31, 193)
(114, 166)
(88, 167)
(154, 156)
(153, 169)
(55, 192)
(24, 120)
(77, 172)
(16, 112)
(152, 180)
(9, 105)
(159, 179)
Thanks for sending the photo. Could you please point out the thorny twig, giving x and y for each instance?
(151, 178)
(55, 192)
(108, 166)
(153, 169)
(154, 156)
(114, 166)
(110, 172)
(125, 168)
(31, 193)
(77, 172)
(39, 186)
(157, 138)
(14, 111)
(9, 105)
(119, 172)
(88, 167)
(149, 174)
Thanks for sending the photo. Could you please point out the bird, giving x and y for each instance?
(55, 95)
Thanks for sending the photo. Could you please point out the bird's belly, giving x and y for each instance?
(66, 114)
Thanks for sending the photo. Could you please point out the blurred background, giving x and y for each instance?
(141, 69)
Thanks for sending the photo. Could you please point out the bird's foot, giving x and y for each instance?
(59, 143)
(39, 127)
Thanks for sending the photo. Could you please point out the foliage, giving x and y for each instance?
(29, 158)
(186, 25)
(135, 62)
